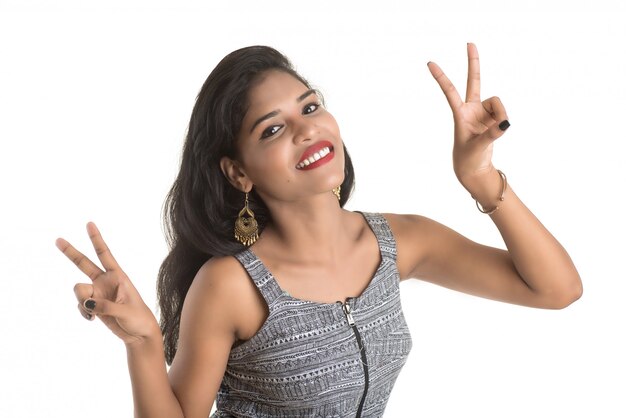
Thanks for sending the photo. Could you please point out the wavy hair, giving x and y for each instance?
(200, 209)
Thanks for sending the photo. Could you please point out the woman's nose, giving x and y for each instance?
(304, 130)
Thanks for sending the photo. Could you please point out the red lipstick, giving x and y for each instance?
(316, 148)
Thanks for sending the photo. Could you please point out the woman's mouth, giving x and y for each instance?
(317, 158)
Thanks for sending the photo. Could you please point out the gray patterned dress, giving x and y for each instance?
(314, 359)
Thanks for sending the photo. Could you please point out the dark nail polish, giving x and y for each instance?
(90, 304)
(504, 125)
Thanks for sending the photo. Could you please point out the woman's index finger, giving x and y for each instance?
(452, 95)
(102, 250)
(81, 261)
(473, 74)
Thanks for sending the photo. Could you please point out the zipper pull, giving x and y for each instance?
(347, 311)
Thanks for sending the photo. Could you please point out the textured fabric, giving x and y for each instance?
(305, 360)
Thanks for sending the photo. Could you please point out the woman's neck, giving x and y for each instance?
(313, 231)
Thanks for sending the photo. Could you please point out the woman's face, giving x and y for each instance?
(285, 125)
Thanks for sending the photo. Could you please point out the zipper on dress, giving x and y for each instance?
(347, 310)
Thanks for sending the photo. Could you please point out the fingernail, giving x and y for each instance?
(504, 125)
(90, 304)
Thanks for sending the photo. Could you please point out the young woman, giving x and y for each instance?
(274, 299)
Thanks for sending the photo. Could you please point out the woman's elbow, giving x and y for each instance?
(566, 297)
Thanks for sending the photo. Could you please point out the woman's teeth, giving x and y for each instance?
(320, 154)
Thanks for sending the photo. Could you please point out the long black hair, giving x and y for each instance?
(200, 209)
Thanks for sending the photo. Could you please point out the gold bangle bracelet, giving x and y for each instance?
(501, 198)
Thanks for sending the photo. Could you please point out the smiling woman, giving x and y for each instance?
(274, 149)
(275, 300)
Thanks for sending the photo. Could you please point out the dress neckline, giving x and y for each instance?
(286, 294)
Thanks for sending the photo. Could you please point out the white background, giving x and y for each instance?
(94, 103)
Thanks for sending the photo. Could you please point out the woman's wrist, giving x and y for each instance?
(487, 189)
(152, 340)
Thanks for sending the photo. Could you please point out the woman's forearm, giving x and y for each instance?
(152, 394)
(539, 258)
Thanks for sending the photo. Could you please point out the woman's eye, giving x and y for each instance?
(310, 108)
(270, 131)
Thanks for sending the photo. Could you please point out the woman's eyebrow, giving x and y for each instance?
(262, 118)
(276, 112)
(306, 94)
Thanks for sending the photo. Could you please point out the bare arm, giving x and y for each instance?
(208, 329)
(541, 275)
(152, 394)
(219, 303)
(536, 270)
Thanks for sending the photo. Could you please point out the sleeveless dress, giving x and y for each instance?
(313, 359)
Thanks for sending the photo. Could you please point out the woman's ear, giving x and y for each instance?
(235, 175)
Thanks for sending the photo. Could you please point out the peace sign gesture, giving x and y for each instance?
(477, 124)
(111, 296)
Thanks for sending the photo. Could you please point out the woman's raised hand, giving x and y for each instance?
(111, 296)
(477, 124)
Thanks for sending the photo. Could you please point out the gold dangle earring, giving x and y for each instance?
(246, 229)
(337, 192)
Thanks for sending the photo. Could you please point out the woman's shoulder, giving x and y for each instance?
(223, 276)
(402, 226)
(413, 230)
(412, 234)
(401, 223)
(221, 269)
(223, 285)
